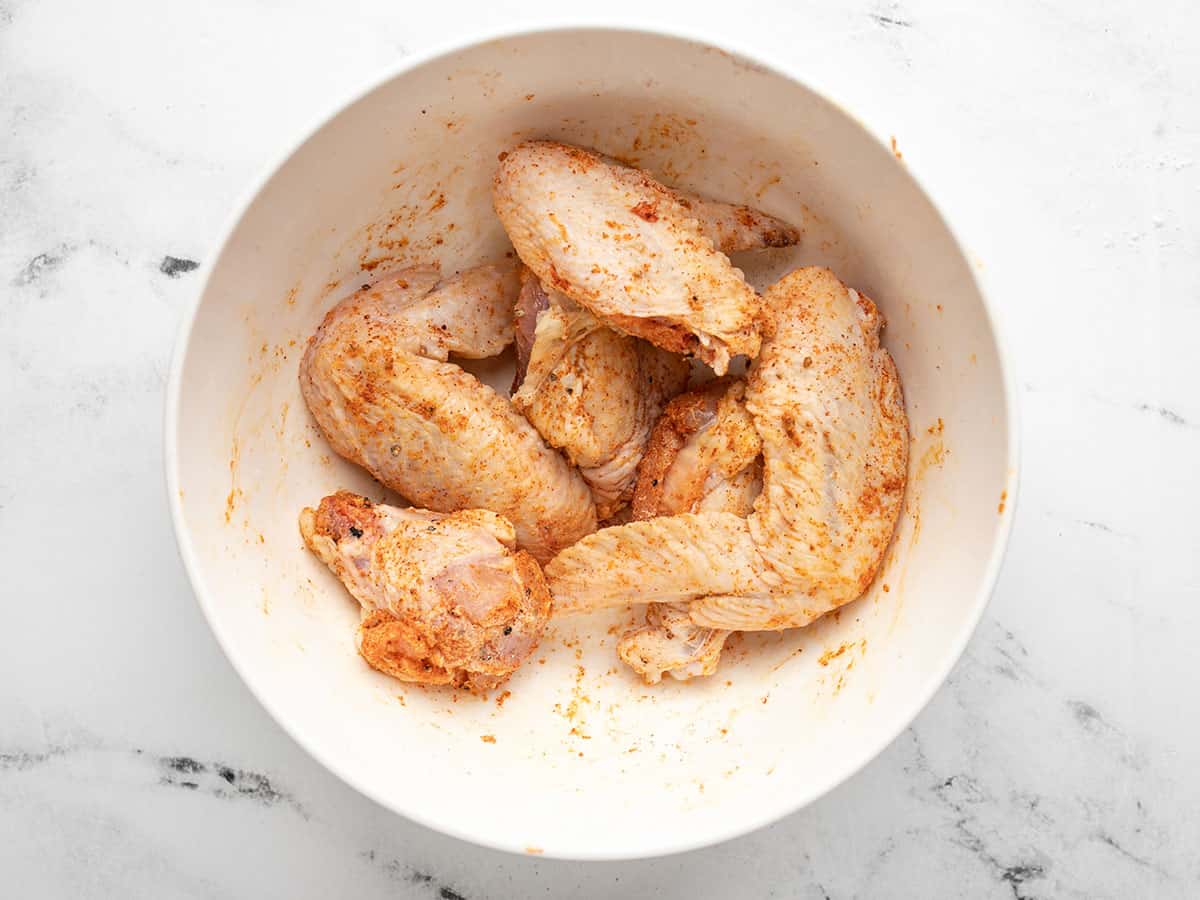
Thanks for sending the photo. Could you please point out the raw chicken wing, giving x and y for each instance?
(446, 599)
(376, 379)
(703, 457)
(590, 391)
(734, 228)
(633, 251)
(826, 403)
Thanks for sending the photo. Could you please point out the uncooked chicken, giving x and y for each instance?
(376, 378)
(703, 457)
(633, 251)
(826, 403)
(735, 228)
(590, 391)
(445, 598)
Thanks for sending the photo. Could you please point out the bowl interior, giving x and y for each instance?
(581, 759)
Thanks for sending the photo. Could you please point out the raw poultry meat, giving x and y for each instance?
(826, 403)
(736, 228)
(757, 503)
(703, 457)
(376, 378)
(590, 391)
(445, 598)
(634, 251)
(595, 393)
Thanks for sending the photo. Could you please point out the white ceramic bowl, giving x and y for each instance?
(582, 761)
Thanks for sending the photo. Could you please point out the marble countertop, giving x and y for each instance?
(1059, 760)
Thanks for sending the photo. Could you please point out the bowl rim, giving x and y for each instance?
(667, 844)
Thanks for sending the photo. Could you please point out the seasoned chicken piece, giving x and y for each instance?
(590, 391)
(670, 643)
(734, 228)
(446, 598)
(375, 378)
(468, 314)
(826, 403)
(703, 457)
(631, 250)
(594, 393)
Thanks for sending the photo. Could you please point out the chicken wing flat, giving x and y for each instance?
(632, 250)
(826, 404)
(590, 391)
(446, 598)
(376, 379)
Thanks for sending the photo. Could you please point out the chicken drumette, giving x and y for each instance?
(445, 598)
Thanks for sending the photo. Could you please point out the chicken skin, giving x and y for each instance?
(446, 598)
(590, 391)
(633, 251)
(826, 404)
(704, 456)
(734, 228)
(376, 379)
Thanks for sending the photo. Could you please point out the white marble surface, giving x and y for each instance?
(1060, 759)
